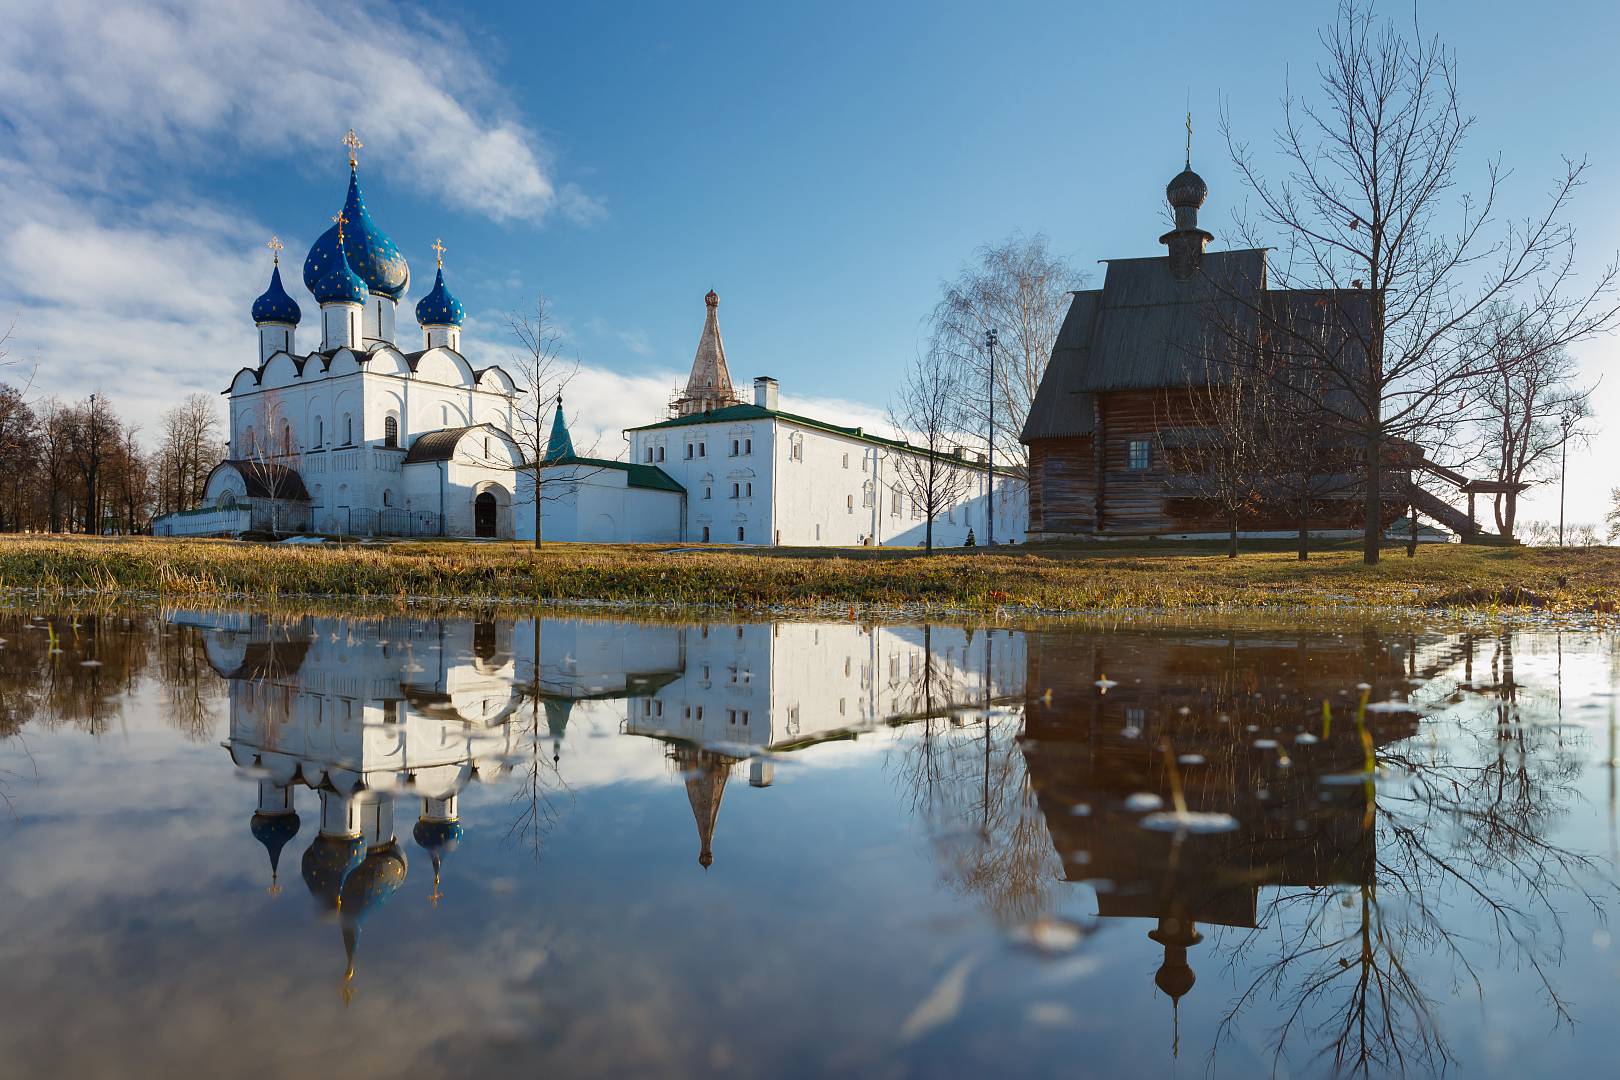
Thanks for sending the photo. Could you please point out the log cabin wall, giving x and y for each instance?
(1060, 498)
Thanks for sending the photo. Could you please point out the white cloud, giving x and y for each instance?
(89, 82)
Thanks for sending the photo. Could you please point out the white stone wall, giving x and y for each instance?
(331, 424)
(797, 485)
(596, 504)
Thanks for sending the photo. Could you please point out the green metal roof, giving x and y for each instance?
(639, 476)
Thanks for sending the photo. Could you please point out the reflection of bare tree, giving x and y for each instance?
(964, 775)
(536, 815)
(188, 696)
(1463, 866)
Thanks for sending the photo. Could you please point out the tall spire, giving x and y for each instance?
(706, 774)
(709, 385)
(561, 444)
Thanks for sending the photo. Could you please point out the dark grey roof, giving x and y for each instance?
(1145, 329)
(267, 480)
(441, 445)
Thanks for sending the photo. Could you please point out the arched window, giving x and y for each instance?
(388, 497)
(247, 442)
(849, 503)
(286, 437)
(348, 429)
(390, 432)
(320, 432)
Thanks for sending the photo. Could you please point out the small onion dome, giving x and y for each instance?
(437, 837)
(274, 305)
(340, 284)
(439, 307)
(327, 861)
(369, 250)
(1187, 191)
(274, 831)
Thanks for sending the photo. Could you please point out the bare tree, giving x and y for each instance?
(189, 449)
(1369, 201)
(268, 442)
(1215, 450)
(1021, 290)
(542, 374)
(927, 407)
(20, 449)
(1611, 519)
(1530, 409)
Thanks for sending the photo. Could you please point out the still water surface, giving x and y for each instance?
(245, 845)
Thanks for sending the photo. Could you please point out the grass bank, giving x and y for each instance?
(1089, 578)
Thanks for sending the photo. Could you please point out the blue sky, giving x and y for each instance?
(822, 167)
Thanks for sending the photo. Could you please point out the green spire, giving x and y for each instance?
(560, 445)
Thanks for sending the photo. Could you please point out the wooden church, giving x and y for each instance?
(1118, 394)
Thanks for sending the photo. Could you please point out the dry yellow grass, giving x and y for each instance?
(1074, 578)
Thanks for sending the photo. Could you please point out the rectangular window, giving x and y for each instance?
(705, 534)
(895, 501)
(649, 454)
(688, 451)
(748, 446)
(1139, 455)
(703, 449)
(708, 492)
(736, 489)
(846, 461)
(736, 447)
(748, 490)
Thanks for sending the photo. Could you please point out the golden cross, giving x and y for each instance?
(275, 245)
(1189, 140)
(340, 219)
(438, 250)
(352, 141)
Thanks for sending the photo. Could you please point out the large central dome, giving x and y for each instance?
(371, 253)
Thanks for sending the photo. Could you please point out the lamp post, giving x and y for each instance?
(990, 458)
(1566, 421)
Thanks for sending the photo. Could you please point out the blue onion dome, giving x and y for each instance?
(327, 861)
(439, 307)
(366, 889)
(274, 305)
(274, 831)
(370, 252)
(340, 284)
(437, 837)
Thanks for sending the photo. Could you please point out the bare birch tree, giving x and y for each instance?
(1369, 199)
(1531, 408)
(541, 373)
(1021, 290)
(926, 412)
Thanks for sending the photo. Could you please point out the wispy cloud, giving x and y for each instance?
(89, 82)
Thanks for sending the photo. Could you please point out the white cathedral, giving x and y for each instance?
(361, 437)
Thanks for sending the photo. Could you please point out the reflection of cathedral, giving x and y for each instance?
(375, 715)
(1233, 722)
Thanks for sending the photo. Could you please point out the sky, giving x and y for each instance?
(823, 167)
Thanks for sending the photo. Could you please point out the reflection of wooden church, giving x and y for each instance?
(1088, 751)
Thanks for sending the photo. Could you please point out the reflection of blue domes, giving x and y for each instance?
(274, 831)
(437, 837)
(327, 861)
(439, 307)
(372, 255)
(274, 305)
(367, 888)
(340, 285)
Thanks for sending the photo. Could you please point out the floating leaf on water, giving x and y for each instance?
(89, 663)
(1391, 706)
(1080, 809)
(1190, 821)
(1343, 779)
(1051, 935)
(1106, 684)
(1183, 711)
(1305, 738)
(1191, 759)
(1265, 744)
(1130, 732)
(1143, 800)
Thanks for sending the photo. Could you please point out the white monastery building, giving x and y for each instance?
(367, 435)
